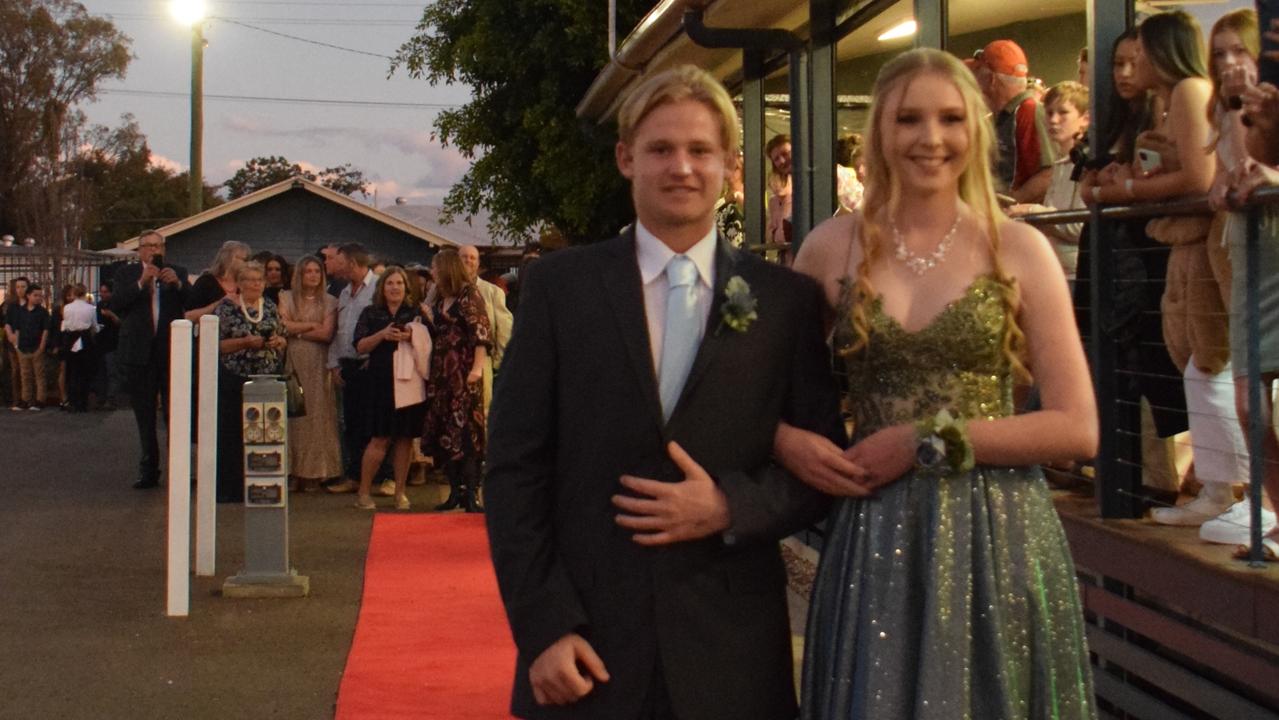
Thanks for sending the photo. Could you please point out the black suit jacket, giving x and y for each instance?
(140, 342)
(575, 407)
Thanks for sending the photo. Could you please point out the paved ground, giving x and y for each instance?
(83, 632)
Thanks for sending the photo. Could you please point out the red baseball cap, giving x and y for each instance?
(1006, 58)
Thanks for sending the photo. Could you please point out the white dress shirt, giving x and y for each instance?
(349, 309)
(77, 316)
(653, 256)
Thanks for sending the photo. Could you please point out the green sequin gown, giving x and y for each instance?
(951, 597)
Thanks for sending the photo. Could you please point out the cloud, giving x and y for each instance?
(435, 167)
(160, 161)
(406, 142)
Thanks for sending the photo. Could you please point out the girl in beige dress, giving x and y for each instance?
(310, 317)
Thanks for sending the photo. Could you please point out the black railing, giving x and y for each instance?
(1117, 492)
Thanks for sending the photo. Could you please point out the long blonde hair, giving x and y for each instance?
(976, 190)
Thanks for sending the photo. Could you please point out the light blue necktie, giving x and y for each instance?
(682, 332)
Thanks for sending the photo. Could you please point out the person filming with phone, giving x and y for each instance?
(1177, 158)
(149, 295)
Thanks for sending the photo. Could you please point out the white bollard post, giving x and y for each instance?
(179, 578)
(206, 472)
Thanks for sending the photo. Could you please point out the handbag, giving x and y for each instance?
(296, 397)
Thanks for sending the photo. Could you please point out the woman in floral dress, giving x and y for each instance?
(460, 335)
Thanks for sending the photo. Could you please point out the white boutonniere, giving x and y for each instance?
(738, 309)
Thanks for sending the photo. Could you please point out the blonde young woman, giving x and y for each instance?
(309, 315)
(946, 589)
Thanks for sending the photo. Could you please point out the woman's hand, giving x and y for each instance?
(475, 376)
(886, 454)
(1261, 107)
(818, 462)
(1219, 193)
(254, 342)
(1086, 183)
(277, 342)
(1253, 175)
(425, 309)
(392, 333)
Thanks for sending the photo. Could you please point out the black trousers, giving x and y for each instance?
(657, 705)
(148, 387)
(355, 432)
(230, 483)
(80, 370)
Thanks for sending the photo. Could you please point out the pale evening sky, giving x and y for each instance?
(391, 143)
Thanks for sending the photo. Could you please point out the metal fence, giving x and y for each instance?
(53, 267)
(1118, 471)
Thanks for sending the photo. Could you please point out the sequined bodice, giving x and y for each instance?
(955, 362)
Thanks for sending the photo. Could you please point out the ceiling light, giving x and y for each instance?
(906, 28)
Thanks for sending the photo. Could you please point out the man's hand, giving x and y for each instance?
(149, 274)
(673, 512)
(557, 674)
(817, 461)
(168, 277)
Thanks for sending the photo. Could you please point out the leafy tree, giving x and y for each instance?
(119, 191)
(528, 64)
(54, 55)
(263, 172)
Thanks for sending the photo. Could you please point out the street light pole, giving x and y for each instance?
(197, 119)
(191, 13)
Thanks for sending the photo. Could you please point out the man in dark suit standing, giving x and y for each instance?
(633, 506)
(148, 296)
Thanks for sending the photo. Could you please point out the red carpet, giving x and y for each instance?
(432, 640)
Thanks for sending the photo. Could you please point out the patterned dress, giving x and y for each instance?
(455, 408)
(236, 367)
(314, 451)
(952, 597)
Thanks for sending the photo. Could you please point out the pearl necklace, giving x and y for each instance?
(920, 265)
(249, 316)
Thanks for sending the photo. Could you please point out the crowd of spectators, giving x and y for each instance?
(357, 334)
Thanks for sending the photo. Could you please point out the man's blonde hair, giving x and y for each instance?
(681, 83)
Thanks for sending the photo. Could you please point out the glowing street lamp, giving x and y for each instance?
(191, 13)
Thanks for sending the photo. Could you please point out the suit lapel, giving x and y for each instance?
(713, 337)
(625, 293)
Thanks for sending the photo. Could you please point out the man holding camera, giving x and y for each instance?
(148, 296)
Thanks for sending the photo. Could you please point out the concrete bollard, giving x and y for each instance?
(207, 450)
(179, 561)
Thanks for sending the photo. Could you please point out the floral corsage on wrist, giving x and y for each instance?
(738, 309)
(943, 444)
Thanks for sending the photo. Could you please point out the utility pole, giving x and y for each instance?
(196, 179)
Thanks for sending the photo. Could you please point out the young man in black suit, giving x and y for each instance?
(633, 506)
(149, 295)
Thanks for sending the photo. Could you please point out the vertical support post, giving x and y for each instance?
(753, 145)
(1116, 486)
(1256, 423)
(824, 122)
(196, 179)
(207, 450)
(179, 565)
(801, 154)
(932, 19)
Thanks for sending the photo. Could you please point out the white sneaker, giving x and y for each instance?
(386, 489)
(1196, 512)
(1233, 527)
